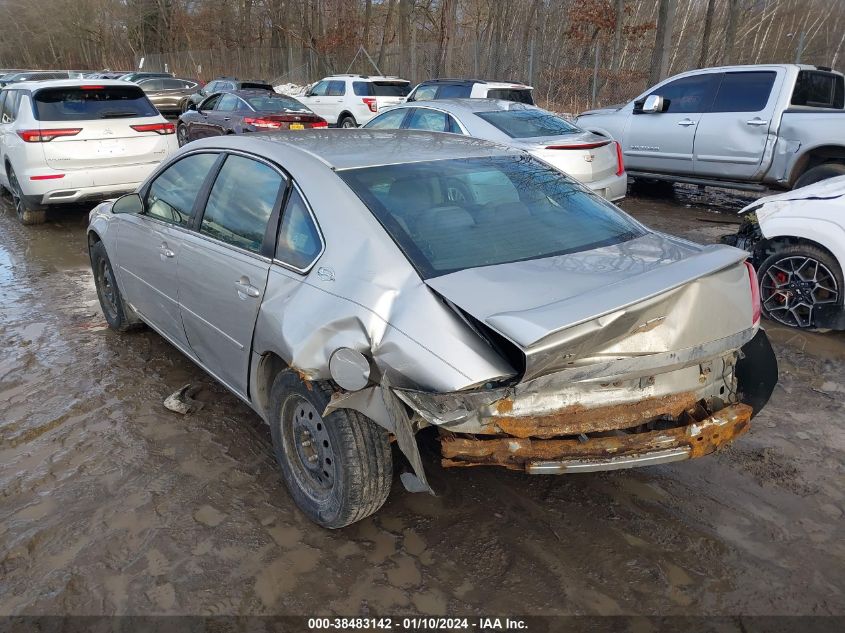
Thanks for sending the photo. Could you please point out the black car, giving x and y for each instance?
(244, 111)
(227, 83)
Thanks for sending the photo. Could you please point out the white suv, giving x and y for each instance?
(472, 89)
(352, 100)
(72, 140)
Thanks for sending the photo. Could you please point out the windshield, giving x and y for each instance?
(528, 123)
(276, 103)
(450, 215)
(79, 104)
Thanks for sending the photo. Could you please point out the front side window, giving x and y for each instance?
(172, 194)
(228, 103)
(817, 89)
(425, 93)
(85, 104)
(319, 89)
(744, 92)
(449, 215)
(240, 203)
(211, 102)
(390, 120)
(299, 239)
(687, 95)
(429, 120)
(528, 123)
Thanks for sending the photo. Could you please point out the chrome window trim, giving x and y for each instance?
(307, 269)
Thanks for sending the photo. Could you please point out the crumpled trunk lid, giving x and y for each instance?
(651, 295)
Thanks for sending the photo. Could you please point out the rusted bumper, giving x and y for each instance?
(610, 452)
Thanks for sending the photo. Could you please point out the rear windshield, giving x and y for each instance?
(252, 85)
(449, 215)
(276, 103)
(79, 104)
(511, 94)
(381, 88)
(528, 123)
(819, 90)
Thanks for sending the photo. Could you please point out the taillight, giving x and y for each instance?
(371, 103)
(158, 128)
(755, 294)
(44, 136)
(620, 163)
(319, 124)
(579, 145)
(265, 123)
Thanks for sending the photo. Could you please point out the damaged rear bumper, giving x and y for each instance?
(613, 452)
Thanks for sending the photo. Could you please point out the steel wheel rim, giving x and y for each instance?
(347, 123)
(792, 287)
(308, 447)
(106, 288)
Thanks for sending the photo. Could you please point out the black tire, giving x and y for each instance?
(820, 172)
(108, 292)
(182, 134)
(347, 121)
(345, 471)
(28, 214)
(788, 294)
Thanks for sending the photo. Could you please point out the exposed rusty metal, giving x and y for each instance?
(576, 419)
(516, 453)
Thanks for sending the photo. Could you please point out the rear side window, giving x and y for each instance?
(251, 85)
(362, 88)
(151, 84)
(744, 92)
(817, 89)
(390, 88)
(427, 119)
(528, 123)
(9, 107)
(511, 94)
(454, 91)
(172, 195)
(79, 104)
(240, 203)
(336, 89)
(299, 239)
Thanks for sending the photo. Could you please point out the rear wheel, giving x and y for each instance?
(820, 172)
(182, 134)
(347, 121)
(338, 469)
(27, 213)
(797, 279)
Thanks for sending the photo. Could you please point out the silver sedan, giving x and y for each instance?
(594, 160)
(356, 286)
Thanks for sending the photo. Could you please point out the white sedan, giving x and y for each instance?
(797, 243)
(594, 160)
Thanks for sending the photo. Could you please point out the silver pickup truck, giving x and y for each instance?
(744, 127)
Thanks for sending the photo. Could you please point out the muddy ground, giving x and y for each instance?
(110, 504)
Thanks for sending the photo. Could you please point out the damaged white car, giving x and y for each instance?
(797, 243)
(356, 286)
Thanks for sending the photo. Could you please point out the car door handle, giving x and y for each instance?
(226, 118)
(686, 122)
(757, 121)
(246, 289)
(165, 252)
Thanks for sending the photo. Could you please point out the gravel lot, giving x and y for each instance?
(110, 504)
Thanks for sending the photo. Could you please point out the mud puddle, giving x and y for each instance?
(112, 504)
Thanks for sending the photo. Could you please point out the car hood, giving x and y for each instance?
(827, 189)
(558, 309)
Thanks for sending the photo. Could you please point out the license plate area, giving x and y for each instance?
(297, 126)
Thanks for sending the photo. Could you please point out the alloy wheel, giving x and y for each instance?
(792, 287)
(182, 135)
(17, 198)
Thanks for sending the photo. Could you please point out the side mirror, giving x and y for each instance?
(130, 203)
(652, 104)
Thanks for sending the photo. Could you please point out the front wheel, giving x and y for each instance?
(111, 300)
(797, 279)
(819, 173)
(28, 213)
(338, 469)
(347, 121)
